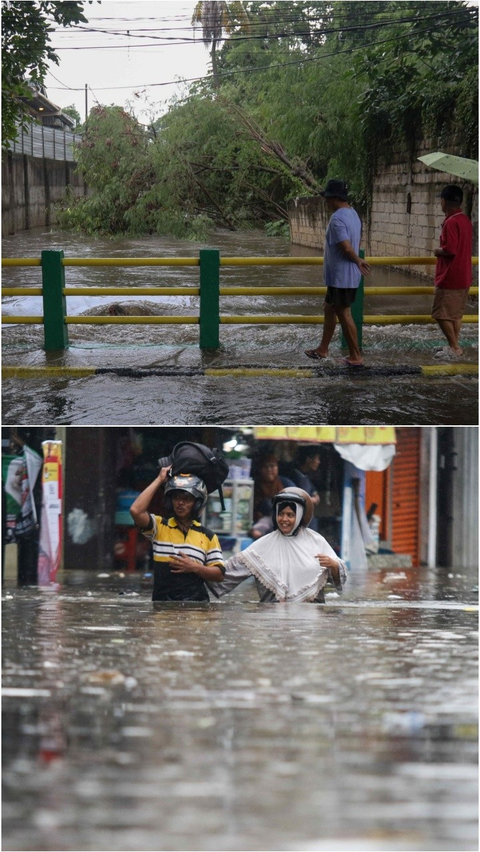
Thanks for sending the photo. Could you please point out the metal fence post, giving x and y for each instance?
(357, 310)
(357, 307)
(209, 298)
(55, 328)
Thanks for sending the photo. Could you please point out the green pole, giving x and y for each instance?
(54, 302)
(357, 310)
(209, 298)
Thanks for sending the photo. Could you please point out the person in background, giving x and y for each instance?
(453, 271)
(267, 484)
(186, 555)
(306, 462)
(342, 271)
(292, 563)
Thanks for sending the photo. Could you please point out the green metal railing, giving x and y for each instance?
(55, 319)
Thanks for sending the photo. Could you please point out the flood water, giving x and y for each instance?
(118, 400)
(241, 726)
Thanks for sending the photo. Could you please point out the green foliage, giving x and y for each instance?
(418, 84)
(277, 229)
(301, 92)
(26, 51)
(73, 112)
(114, 160)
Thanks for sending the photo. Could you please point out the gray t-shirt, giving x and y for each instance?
(338, 271)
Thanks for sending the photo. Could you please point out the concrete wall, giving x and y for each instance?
(405, 217)
(31, 186)
(465, 499)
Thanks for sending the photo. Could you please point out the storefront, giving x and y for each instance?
(352, 506)
(105, 468)
(425, 498)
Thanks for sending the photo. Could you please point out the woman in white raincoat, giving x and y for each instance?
(292, 563)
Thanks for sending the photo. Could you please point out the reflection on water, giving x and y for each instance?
(407, 399)
(237, 725)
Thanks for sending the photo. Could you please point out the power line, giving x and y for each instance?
(166, 40)
(178, 43)
(266, 20)
(302, 61)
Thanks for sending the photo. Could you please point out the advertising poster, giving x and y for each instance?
(19, 474)
(50, 548)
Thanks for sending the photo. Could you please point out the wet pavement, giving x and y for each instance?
(241, 726)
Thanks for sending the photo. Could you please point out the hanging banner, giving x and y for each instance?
(50, 548)
(327, 434)
(367, 456)
(19, 474)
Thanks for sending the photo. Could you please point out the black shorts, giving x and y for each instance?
(341, 297)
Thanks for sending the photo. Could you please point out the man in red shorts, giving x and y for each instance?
(453, 271)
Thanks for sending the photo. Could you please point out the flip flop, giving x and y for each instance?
(355, 366)
(312, 353)
(447, 354)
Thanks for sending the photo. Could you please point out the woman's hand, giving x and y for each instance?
(327, 561)
(183, 564)
(332, 565)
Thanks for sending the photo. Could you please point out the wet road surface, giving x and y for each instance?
(241, 726)
(116, 400)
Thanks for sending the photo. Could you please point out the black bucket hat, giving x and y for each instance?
(336, 189)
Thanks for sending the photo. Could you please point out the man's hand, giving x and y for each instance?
(351, 254)
(183, 564)
(139, 507)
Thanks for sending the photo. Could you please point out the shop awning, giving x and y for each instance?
(327, 434)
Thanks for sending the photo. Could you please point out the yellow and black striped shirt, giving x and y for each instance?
(168, 539)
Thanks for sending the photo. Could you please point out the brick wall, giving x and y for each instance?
(405, 217)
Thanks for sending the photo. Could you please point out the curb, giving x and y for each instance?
(239, 371)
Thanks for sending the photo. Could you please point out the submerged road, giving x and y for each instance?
(156, 374)
(241, 726)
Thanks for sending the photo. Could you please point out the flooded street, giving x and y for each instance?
(241, 726)
(162, 399)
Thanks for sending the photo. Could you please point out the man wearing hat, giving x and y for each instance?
(342, 271)
(453, 271)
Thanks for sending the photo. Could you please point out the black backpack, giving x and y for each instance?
(201, 461)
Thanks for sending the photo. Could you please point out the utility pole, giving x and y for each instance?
(86, 102)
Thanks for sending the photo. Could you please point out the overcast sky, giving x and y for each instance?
(136, 48)
(127, 69)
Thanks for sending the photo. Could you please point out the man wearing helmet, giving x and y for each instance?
(292, 563)
(185, 554)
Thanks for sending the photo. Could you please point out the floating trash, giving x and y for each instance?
(111, 678)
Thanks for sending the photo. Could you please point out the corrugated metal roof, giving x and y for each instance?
(49, 142)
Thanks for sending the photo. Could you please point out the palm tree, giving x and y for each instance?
(215, 18)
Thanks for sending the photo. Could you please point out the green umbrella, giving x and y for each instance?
(458, 166)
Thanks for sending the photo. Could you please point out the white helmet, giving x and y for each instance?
(292, 494)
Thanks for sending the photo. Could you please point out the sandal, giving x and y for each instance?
(312, 353)
(351, 364)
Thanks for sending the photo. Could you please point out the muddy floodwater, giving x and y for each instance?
(241, 726)
(163, 399)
